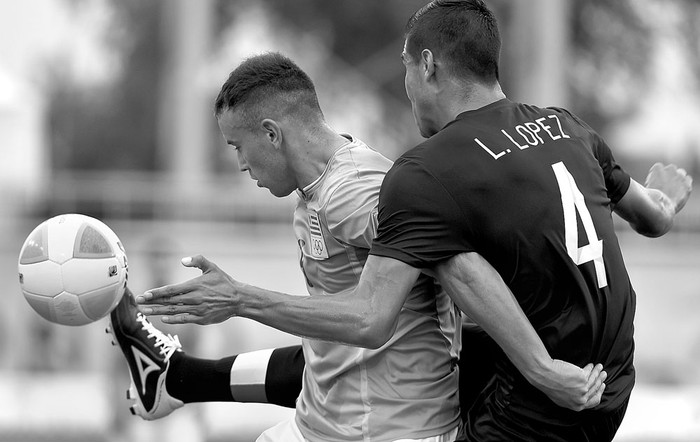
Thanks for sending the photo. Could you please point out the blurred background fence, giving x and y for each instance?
(106, 110)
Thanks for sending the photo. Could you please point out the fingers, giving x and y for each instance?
(671, 180)
(659, 167)
(182, 318)
(595, 385)
(680, 172)
(656, 167)
(593, 374)
(587, 373)
(670, 170)
(197, 261)
(655, 171)
(169, 310)
(165, 293)
(162, 294)
(596, 397)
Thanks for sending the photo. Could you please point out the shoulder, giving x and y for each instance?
(572, 118)
(355, 168)
(411, 182)
(354, 182)
(408, 166)
(359, 160)
(426, 159)
(566, 112)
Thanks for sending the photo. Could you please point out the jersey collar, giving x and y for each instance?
(488, 107)
(307, 192)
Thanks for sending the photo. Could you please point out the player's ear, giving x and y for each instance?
(427, 63)
(273, 132)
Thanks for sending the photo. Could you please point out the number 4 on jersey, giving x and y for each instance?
(572, 201)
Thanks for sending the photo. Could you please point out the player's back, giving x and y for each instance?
(530, 190)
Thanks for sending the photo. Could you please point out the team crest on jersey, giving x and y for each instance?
(317, 243)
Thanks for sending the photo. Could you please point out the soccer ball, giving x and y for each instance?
(72, 269)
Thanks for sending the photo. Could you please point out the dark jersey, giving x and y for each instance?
(530, 189)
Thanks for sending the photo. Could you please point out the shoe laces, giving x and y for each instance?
(167, 344)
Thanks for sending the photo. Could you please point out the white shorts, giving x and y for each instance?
(287, 431)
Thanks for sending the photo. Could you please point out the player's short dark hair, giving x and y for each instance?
(270, 80)
(462, 33)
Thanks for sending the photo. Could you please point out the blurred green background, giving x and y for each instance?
(106, 109)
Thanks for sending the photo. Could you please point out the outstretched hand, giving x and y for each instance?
(210, 298)
(573, 387)
(674, 182)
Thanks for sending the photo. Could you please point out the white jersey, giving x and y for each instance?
(408, 388)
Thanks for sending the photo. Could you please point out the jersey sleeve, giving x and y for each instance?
(419, 222)
(617, 181)
(351, 212)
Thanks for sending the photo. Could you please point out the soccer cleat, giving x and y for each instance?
(147, 351)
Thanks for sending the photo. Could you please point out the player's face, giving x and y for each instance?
(418, 92)
(257, 154)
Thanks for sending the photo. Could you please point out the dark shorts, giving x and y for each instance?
(499, 409)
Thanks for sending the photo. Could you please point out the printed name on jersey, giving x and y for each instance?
(318, 244)
(529, 134)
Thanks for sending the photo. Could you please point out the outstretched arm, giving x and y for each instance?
(650, 209)
(365, 317)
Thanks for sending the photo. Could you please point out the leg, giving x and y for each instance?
(265, 376)
(163, 378)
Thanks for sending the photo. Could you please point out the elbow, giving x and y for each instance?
(655, 233)
(648, 211)
(376, 341)
(655, 229)
(373, 332)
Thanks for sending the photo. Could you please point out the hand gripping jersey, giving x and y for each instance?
(531, 190)
(408, 387)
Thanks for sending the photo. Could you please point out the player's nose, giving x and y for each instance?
(242, 164)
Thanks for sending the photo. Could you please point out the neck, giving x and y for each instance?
(315, 149)
(456, 100)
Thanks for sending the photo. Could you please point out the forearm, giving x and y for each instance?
(366, 316)
(483, 296)
(661, 221)
(330, 318)
(651, 209)
(650, 212)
